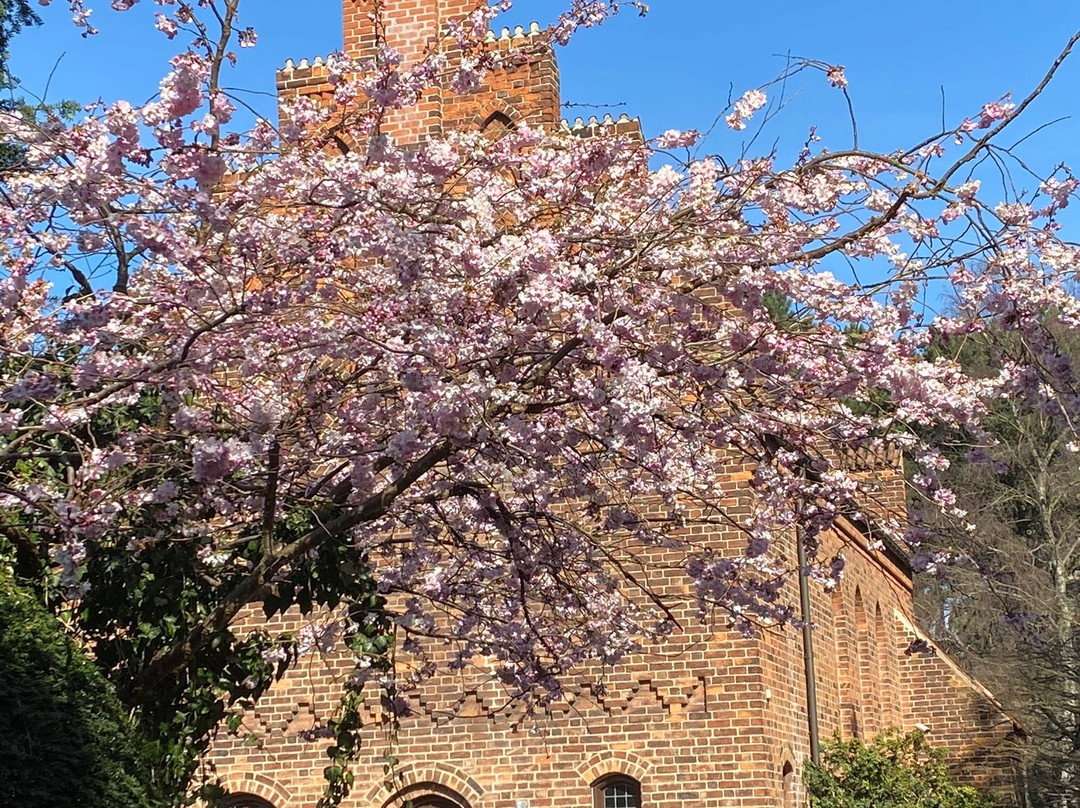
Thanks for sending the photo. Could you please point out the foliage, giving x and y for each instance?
(259, 368)
(65, 738)
(13, 18)
(135, 611)
(895, 770)
(1009, 610)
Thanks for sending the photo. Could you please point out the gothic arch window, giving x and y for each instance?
(869, 654)
(617, 791)
(496, 125)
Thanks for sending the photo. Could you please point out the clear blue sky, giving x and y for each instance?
(675, 67)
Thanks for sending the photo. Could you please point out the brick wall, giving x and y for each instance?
(408, 26)
(709, 718)
(868, 681)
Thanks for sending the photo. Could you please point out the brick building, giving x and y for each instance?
(708, 719)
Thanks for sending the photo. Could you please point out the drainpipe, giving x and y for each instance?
(808, 649)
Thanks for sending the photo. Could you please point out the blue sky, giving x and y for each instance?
(676, 67)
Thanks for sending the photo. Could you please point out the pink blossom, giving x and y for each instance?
(504, 361)
(994, 112)
(745, 107)
(1059, 190)
(212, 458)
(167, 25)
(673, 138)
(9, 421)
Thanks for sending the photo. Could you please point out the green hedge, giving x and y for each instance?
(893, 771)
(65, 740)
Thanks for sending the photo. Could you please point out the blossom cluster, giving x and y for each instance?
(508, 370)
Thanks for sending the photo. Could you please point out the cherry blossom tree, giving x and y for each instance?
(475, 376)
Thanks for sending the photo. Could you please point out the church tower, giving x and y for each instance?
(526, 91)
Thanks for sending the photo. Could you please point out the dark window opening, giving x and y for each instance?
(343, 147)
(246, 801)
(617, 792)
(428, 795)
(496, 124)
(433, 802)
(788, 776)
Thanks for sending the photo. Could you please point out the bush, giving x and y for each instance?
(65, 740)
(895, 770)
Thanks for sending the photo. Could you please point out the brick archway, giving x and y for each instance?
(614, 762)
(260, 786)
(415, 780)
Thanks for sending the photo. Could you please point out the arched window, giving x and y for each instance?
(788, 784)
(864, 683)
(846, 687)
(869, 671)
(246, 801)
(496, 125)
(617, 791)
(886, 663)
(427, 795)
